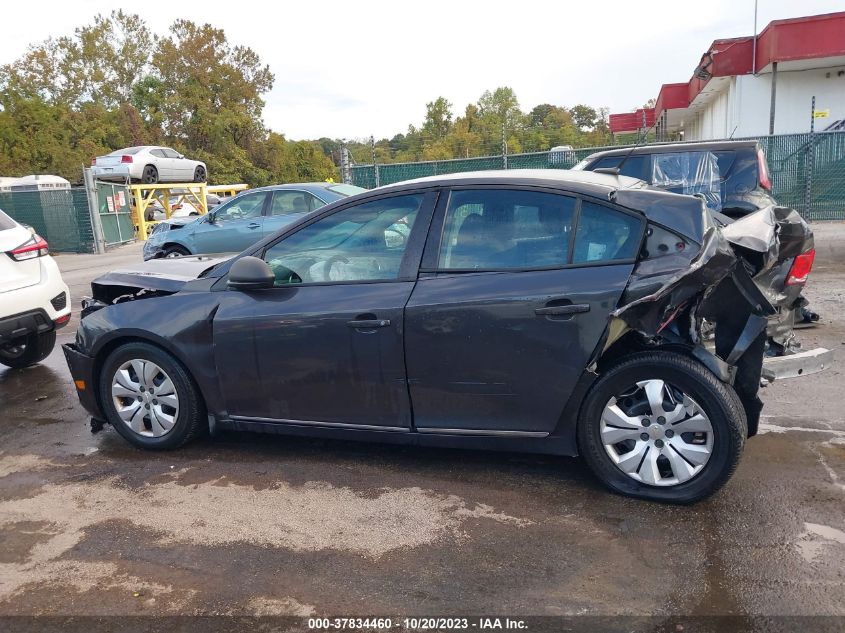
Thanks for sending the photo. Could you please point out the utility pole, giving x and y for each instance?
(345, 167)
(375, 165)
(754, 44)
(809, 163)
(504, 145)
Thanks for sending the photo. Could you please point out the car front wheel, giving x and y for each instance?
(174, 250)
(149, 398)
(661, 426)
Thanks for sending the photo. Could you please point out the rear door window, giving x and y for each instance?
(293, 202)
(496, 229)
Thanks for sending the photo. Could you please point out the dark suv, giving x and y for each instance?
(734, 181)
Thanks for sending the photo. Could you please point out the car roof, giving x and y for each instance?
(663, 148)
(682, 213)
(584, 182)
(305, 186)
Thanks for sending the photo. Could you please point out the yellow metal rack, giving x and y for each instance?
(143, 196)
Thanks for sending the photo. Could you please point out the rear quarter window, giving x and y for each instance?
(605, 235)
(6, 222)
(634, 166)
(661, 242)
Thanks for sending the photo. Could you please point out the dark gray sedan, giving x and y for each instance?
(544, 311)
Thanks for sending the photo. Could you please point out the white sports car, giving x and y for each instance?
(149, 164)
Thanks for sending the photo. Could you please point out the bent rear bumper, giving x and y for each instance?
(82, 370)
(793, 365)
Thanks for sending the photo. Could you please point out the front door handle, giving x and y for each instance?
(366, 324)
(254, 225)
(563, 310)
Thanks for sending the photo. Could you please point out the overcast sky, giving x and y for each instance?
(354, 68)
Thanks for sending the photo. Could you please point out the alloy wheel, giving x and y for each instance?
(145, 398)
(656, 434)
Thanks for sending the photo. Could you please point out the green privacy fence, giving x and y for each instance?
(60, 216)
(807, 170)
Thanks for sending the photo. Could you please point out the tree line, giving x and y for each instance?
(114, 83)
(493, 125)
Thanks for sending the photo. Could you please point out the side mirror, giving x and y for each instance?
(250, 273)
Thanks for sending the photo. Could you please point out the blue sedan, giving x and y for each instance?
(245, 219)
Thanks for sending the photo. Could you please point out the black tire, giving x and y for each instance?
(199, 174)
(191, 419)
(175, 250)
(150, 175)
(31, 350)
(717, 399)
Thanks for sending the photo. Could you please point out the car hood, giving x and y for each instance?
(166, 275)
(181, 221)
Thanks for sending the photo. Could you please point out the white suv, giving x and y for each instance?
(34, 301)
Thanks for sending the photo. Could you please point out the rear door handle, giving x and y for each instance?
(563, 310)
(254, 225)
(366, 324)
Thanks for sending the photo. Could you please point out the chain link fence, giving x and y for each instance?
(807, 170)
(61, 216)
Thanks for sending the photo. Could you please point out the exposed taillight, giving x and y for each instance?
(126, 158)
(801, 268)
(36, 247)
(94, 162)
(763, 171)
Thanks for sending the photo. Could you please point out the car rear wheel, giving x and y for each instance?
(199, 174)
(149, 397)
(660, 426)
(150, 175)
(28, 350)
(174, 250)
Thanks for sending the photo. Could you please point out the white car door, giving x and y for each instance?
(164, 165)
(183, 169)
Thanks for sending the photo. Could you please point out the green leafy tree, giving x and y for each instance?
(438, 119)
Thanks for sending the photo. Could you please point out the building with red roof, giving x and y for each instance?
(753, 86)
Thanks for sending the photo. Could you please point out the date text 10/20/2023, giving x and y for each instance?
(417, 624)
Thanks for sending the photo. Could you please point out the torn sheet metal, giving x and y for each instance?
(661, 286)
(778, 233)
(690, 173)
(756, 248)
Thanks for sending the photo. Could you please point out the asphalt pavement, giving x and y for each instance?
(246, 524)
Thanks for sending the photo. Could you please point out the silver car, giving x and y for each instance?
(149, 164)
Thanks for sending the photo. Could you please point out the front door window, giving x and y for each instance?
(362, 243)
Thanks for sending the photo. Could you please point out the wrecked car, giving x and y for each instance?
(526, 310)
(732, 177)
